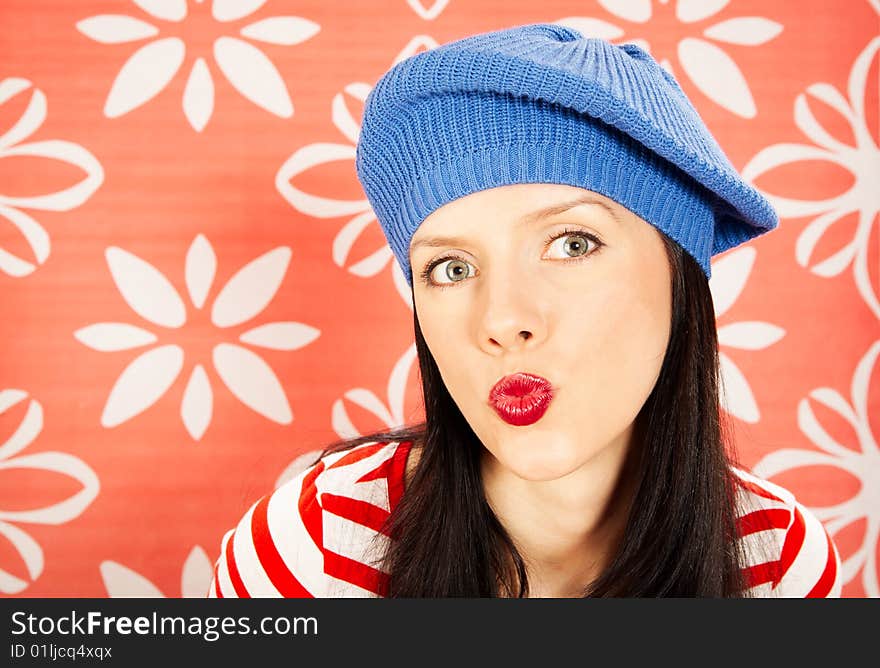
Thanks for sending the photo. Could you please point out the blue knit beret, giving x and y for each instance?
(541, 103)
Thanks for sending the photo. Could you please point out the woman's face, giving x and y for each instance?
(589, 311)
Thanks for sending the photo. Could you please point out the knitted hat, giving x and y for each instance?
(541, 103)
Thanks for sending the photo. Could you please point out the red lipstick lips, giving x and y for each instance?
(521, 398)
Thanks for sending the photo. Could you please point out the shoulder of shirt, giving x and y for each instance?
(318, 533)
(789, 552)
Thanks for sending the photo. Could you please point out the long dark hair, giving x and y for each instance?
(680, 536)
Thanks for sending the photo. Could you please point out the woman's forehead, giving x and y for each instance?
(522, 203)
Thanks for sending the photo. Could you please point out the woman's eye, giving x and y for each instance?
(454, 269)
(573, 244)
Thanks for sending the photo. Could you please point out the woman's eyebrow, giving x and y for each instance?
(565, 206)
(532, 217)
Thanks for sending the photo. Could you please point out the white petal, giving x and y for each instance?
(690, 11)
(284, 30)
(198, 571)
(253, 75)
(591, 27)
(842, 513)
(856, 85)
(14, 266)
(281, 335)
(834, 400)
(232, 10)
(63, 511)
(12, 86)
(715, 73)
(251, 289)
(28, 429)
(373, 263)
(856, 562)
(812, 234)
(783, 154)
(36, 237)
(112, 336)
(252, 381)
(340, 421)
(167, 10)
(303, 159)
(861, 380)
(349, 234)
(835, 264)
(786, 459)
(809, 424)
(415, 45)
(638, 11)
(397, 382)
(813, 129)
(8, 399)
(198, 402)
(370, 402)
(342, 116)
(367, 400)
(834, 99)
(144, 75)
(115, 28)
(28, 120)
(201, 266)
(30, 552)
(198, 96)
(428, 13)
(746, 30)
(749, 335)
(145, 289)
(729, 275)
(297, 466)
(142, 383)
(403, 288)
(32, 117)
(737, 397)
(65, 151)
(122, 582)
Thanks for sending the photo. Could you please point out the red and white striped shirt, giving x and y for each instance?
(318, 534)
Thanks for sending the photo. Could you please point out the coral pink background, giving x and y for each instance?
(196, 203)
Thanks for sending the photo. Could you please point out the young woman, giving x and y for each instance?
(553, 202)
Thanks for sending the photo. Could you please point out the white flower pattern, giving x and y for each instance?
(12, 208)
(860, 460)
(174, 314)
(152, 67)
(428, 13)
(153, 297)
(123, 582)
(730, 274)
(392, 414)
(862, 159)
(49, 461)
(314, 155)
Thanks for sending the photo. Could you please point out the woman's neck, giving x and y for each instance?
(567, 529)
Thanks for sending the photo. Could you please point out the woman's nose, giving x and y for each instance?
(512, 316)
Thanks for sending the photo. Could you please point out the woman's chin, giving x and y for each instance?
(539, 460)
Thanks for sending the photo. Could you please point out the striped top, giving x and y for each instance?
(319, 534)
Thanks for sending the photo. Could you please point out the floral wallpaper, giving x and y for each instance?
(196, 295)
